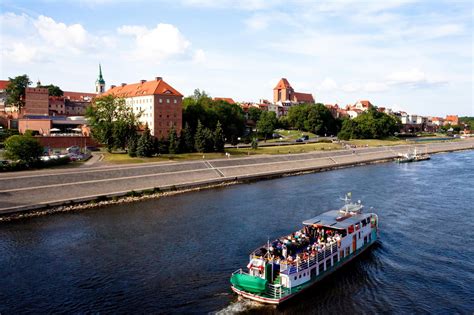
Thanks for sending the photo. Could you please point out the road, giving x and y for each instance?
(31, 189)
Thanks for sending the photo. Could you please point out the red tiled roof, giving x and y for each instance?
(78, 96)
(303, 97)
(283, 84)
(452, 117)
(3, 84)
(155, 87)
(365, 103)
(225, 99)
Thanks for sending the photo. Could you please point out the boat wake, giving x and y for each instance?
(239, 306)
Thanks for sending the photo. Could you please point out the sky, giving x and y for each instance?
(409, 55)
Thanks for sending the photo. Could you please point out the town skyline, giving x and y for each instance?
(430, 76)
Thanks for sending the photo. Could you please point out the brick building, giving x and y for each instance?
(283, 93)
(36, 101)
(161, 104)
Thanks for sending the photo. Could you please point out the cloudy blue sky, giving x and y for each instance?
(411, 55)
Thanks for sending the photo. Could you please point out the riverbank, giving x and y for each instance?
(36, 193)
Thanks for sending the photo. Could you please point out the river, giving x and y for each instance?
(176, 254)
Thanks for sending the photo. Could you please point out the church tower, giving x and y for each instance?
(100, 83)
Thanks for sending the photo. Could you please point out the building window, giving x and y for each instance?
(160, 100)
(175, 101)
(168, 100)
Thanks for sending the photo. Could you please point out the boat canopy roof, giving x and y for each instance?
(337, 219)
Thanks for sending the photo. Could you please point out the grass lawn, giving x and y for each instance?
(289, 135)
(285, 149)
(123, 158)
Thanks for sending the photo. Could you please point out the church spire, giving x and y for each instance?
(100, 83)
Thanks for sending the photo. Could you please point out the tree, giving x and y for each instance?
(53, 90)
(254, 114)
(254, 143)
(267, 123)
(315, 118)
(24, 148)
(208, 140)
(132, 146)
(16, 90)
(200, 138)
(371, 124)
(112, 122)
(173, 141)
(145, 144)
(218, 138)
(187, 139)
(198, 94)
(348, 130)
(297, 116)
(200, 107)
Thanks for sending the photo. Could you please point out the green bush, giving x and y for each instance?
(23, 148)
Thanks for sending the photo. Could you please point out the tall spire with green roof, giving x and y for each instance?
(100, 83)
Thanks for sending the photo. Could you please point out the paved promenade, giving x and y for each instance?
(36, 189)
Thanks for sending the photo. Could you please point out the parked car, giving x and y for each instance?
(73, 149)
(276, 135)
(303, 138)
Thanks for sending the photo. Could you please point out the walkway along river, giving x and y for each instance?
(176, 254)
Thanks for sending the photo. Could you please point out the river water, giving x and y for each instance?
(175, 254)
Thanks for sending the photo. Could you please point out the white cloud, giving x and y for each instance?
(374, 87)
(156, 44)
(60, 35)
(13, 21)
(413, 78)
(199, 56)
(350, 88)
(327, 84)
(40, 39)
(19, 53)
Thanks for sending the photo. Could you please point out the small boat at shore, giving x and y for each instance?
(412, 157)
(285, 267)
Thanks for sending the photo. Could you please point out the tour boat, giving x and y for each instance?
(281, 269)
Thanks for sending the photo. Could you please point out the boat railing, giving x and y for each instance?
(240, 271)
(276, 291)
(297, 266)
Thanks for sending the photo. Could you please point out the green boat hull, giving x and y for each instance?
(249, 283)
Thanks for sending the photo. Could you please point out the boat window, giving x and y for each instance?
(321, 268)
(296, 278)
(350, 229)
